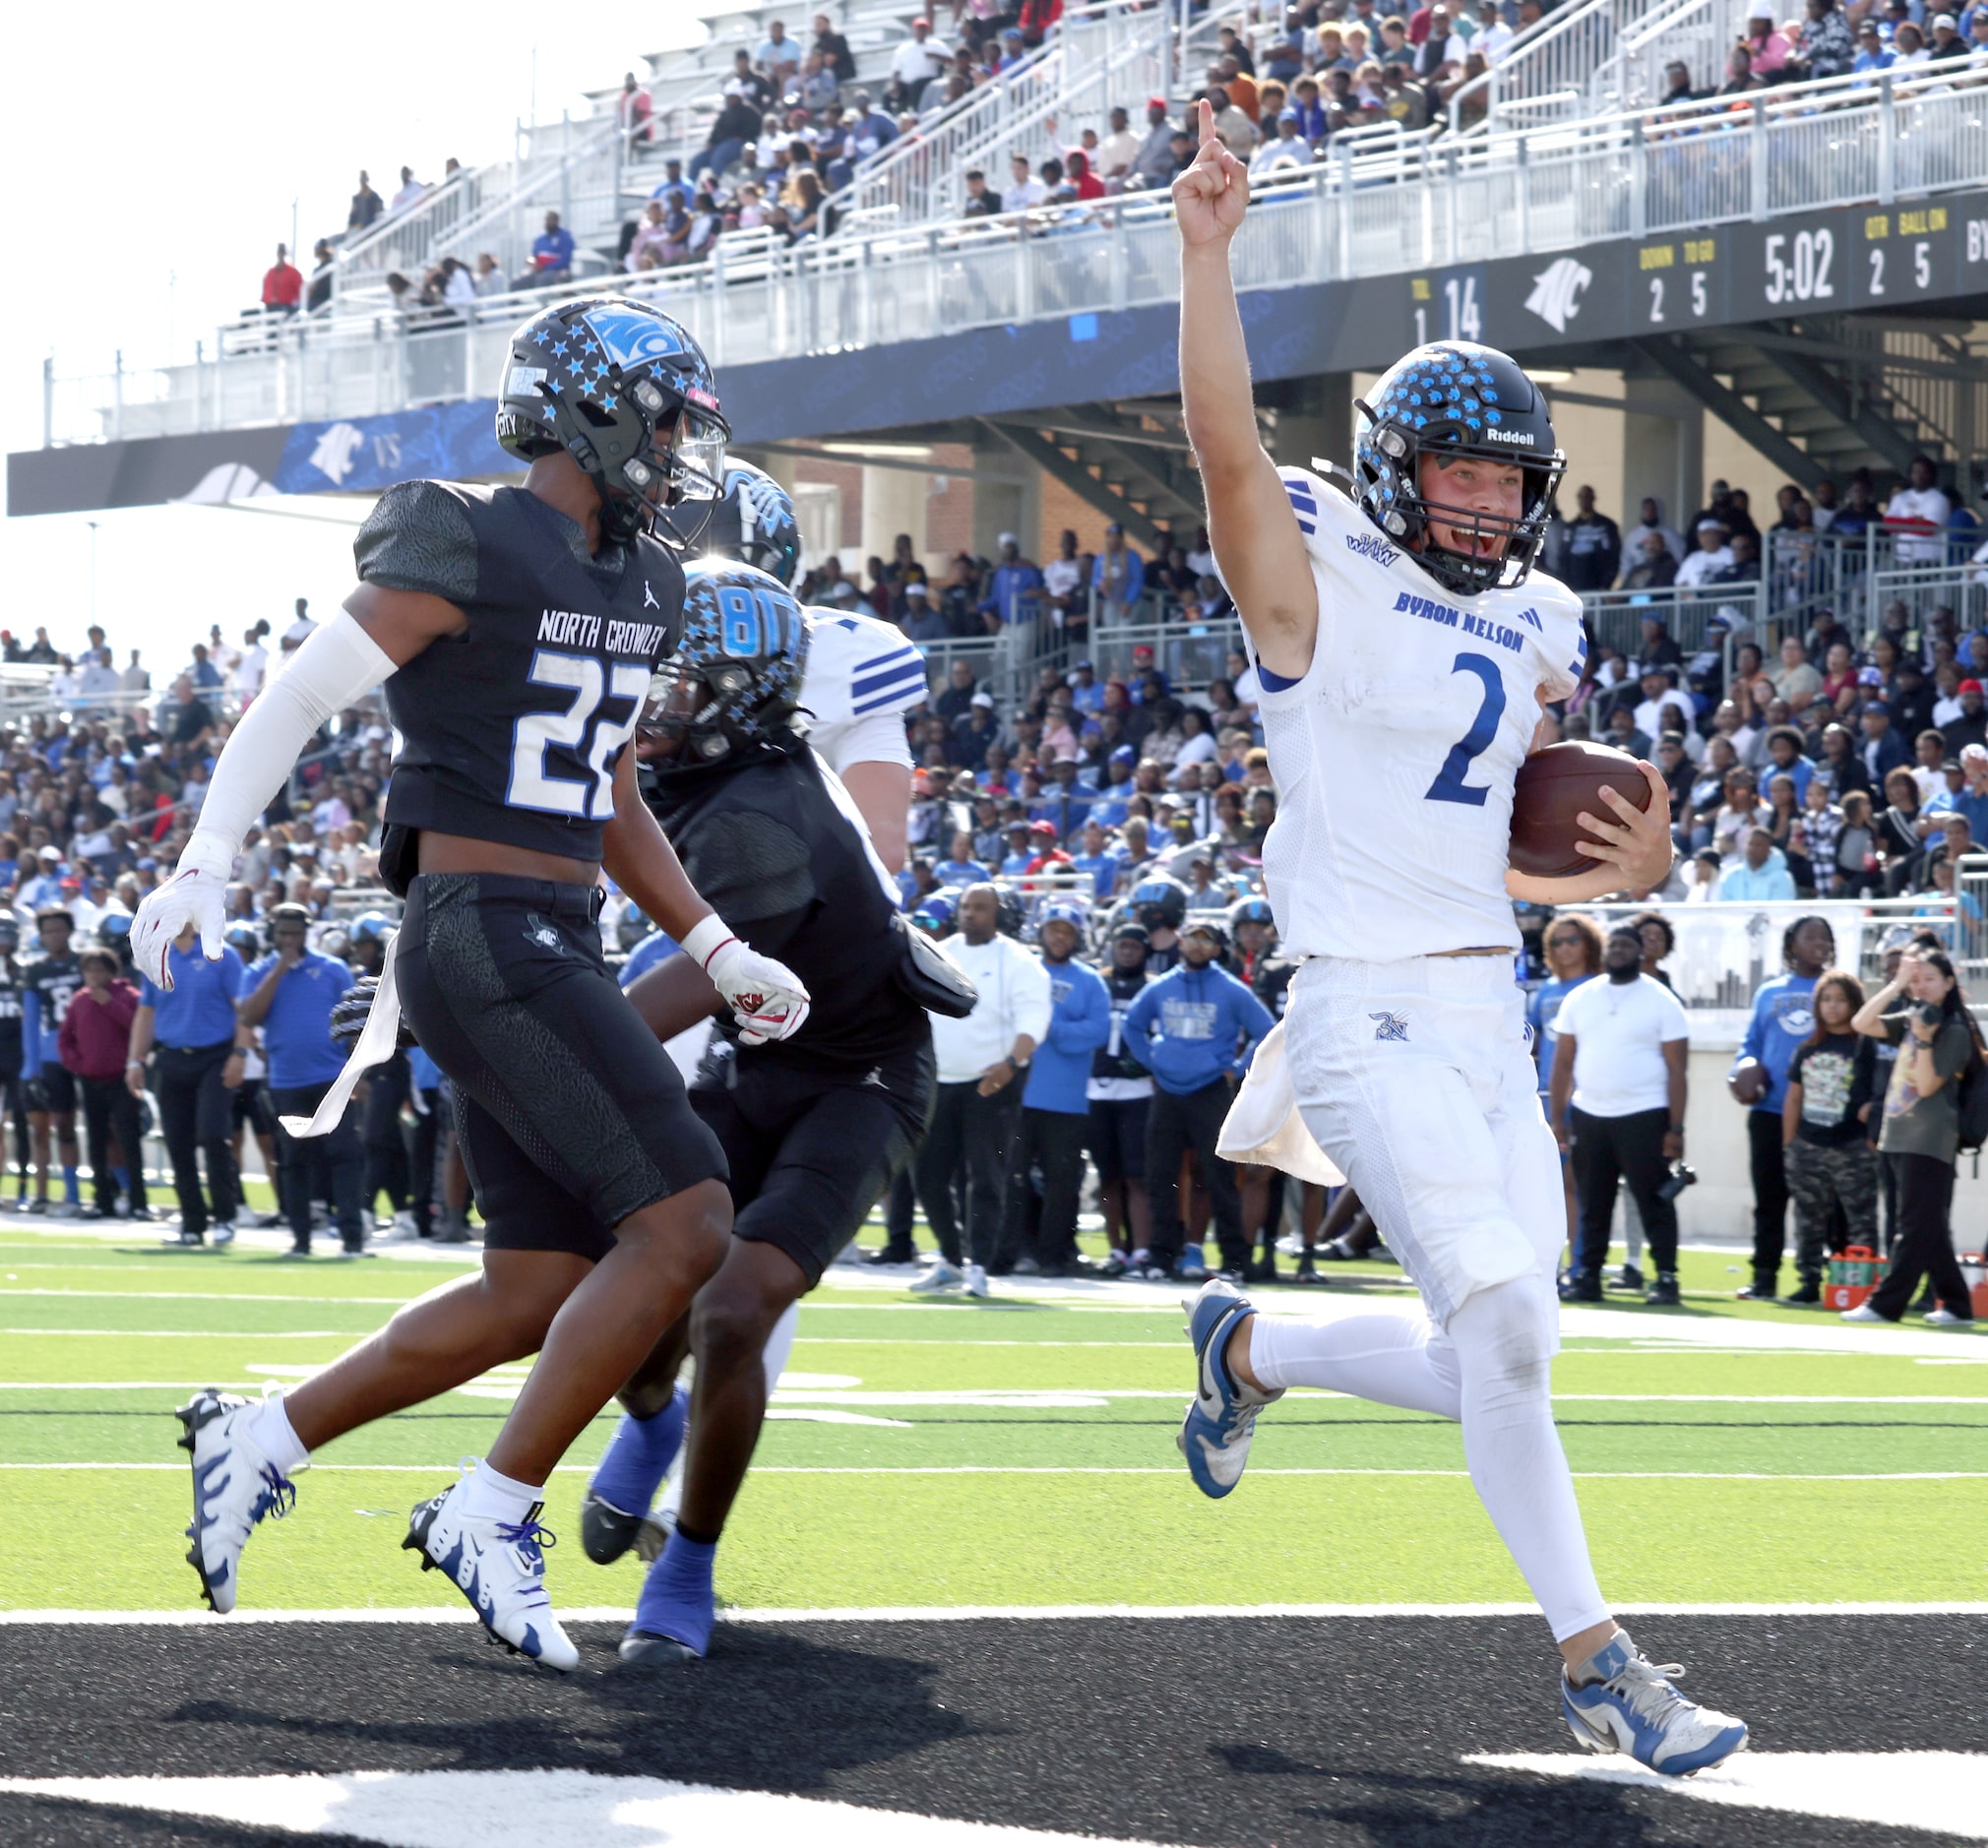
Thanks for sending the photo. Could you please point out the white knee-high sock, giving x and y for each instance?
(1385, 1357)
(781, 1344)
(1503, 1339)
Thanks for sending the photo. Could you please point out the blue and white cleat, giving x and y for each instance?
(1634, 1709)
(500, 1567)
(1222, 1417)
(234, 1487)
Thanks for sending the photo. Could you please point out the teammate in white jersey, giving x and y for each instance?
(1406, 650)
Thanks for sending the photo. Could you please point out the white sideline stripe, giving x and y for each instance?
(1015, 1398)
(539, 1810)
(217, 1334)
(975, 1612)
(246, 1299)
(1105, 1470)
(1936, 1791)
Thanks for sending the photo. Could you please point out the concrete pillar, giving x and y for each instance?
(1316, 420)
(781, 468)
(894, 502)
(1662, 451)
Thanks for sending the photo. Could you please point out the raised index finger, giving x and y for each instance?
(1207, 122)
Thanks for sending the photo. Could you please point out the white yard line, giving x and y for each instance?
(1121, 1469)
(973, 1612)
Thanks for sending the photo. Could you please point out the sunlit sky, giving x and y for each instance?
(155, 156)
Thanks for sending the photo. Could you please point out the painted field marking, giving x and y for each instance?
(1936, 1791)
(459, 1614)
(1111, 1469)
(523, 1809)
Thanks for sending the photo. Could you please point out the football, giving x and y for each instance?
(1557, 784)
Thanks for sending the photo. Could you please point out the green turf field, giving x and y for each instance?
(1013, 1453)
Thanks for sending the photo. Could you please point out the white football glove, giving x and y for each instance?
(196, 895)
(767, 998)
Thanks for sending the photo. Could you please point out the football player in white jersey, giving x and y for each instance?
(1405, 649)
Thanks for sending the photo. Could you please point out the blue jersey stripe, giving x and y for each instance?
(1305, 525)
(874, 674)
(905, 692)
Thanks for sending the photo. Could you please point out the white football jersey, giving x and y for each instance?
(861, 674)
(1394, 754)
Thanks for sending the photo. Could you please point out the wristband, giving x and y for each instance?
(133, 1065)
(706, 938)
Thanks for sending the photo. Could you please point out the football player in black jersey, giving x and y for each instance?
(12, 1090)
(51, 980)
(518, 631)
(813, 1127)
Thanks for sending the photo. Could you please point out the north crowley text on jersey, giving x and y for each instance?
(571, 629)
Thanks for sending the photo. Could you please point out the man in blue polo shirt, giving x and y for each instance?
(197, 1052)
(290, 994)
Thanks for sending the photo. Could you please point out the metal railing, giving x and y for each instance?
(1100, 55)
(1359, 213)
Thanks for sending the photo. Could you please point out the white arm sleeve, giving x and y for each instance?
(338, 664)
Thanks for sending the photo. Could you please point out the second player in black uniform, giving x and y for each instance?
(51, 980)
(13, 1087)
(813, 1127)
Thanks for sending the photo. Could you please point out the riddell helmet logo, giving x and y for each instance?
(1511, 436)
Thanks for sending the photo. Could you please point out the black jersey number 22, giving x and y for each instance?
(563, 736)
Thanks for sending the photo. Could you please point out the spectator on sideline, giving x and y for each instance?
(1924, 1013)
(1195, 1029)
(96, 1031)
(1117, 577)
(1831, 1167)
(1055, 1110)
(282, 285)
(1782, 1018)
(1617, 1107)
(289, 995)
(199, 1051)
(1572, 949)
(976, 1116)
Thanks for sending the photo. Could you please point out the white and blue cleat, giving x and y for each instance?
(1222, 1417)
(500, 1567)
(1634, 1709)
(234, 1488)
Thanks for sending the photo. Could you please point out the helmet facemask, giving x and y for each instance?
(1506, 547)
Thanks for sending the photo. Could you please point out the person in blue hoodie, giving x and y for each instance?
(1195, 1029)
(1056, 1105)
(1783, 1017)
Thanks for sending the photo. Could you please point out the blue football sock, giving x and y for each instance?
(676, 1599)
(123, 1178)
(639, 1456)
(71, 1191)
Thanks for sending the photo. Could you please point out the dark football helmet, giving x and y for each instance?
(751, 522)
(1454, 398)
(1159, 902)
(734, 681)
(1251, 911)
(624, 391)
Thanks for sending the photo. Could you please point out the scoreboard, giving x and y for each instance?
(1728, 274)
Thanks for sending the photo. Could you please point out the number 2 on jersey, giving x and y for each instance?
(530, 787)
(1449, 785)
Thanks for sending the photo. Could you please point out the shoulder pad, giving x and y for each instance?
(858, 665)
(419, 538)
